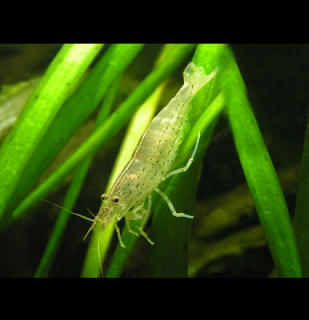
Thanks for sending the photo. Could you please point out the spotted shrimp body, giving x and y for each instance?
(152, 159)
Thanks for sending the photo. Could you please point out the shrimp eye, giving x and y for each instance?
(104, 196)
(116, 199)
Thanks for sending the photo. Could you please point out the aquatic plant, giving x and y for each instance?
(67, 96)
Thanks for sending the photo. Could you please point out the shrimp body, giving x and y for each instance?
(152, 158)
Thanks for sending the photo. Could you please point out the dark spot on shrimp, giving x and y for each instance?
(158, 144)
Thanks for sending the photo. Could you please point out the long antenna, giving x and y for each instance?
(79, 215)
(99, 253)
(89, 230)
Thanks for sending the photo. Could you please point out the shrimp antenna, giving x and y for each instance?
(79, 215)
(94, 223)
(99, 253)
(90, 212)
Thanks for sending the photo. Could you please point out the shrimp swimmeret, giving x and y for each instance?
(152, 159)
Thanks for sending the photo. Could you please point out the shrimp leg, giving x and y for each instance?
(129, 227)
(141, 231)
(135, 215)
(138, 208)
(184, 169)
(168, 201)
(118, 234)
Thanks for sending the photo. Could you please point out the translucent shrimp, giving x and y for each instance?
(152, 159)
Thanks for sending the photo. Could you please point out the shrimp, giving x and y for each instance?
(151, 160)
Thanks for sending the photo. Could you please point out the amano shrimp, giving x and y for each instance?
(152, 159)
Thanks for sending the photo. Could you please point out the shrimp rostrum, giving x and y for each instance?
(152, 159)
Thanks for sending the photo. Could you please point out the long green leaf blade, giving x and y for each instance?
(260, 174)
(16, 151)
(73, 192)
(72, 115)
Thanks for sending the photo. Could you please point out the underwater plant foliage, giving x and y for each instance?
(237, 229)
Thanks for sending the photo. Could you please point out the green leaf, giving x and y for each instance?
(74, 112)
(259, 172)
(73, 192)
(19, 147)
